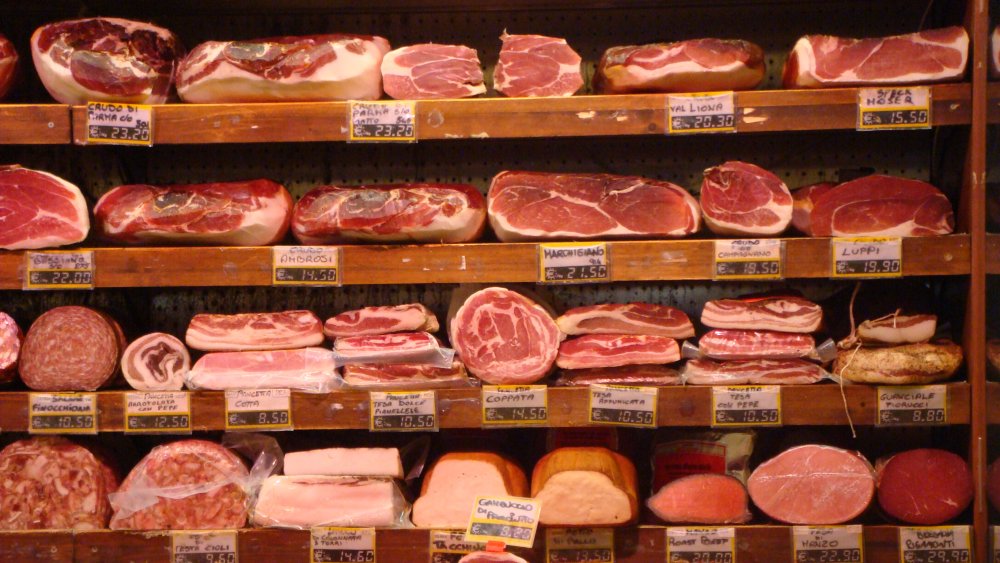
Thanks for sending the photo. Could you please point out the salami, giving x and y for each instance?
(156, 362)
(190, 485)
(71, 349)
(50, 483)
(10, 347)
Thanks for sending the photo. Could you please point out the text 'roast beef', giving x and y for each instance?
(431, 71)
(881, 205)
(743, 199)
(39, 210)
(551, 206)
(8, 65)
(105, 60)
(535, 65)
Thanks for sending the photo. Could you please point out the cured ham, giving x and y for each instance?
(752, 372)
(906, 364)
(8, 65)
(925, 486)
(609, 350)
(71, 348)
(642, 375)
(396, 348)
(743, 199)
(156, 362)
(709, 498)
(10, 347)
(726, 344)
(897, 329)
(535, 65)
(448, 493)
(626, 318)
(431, 71)
(39, 210)
(785, 314)
(803, 202)
(412, 317)
(254, 331)
(880, 205)
(585, 486)
(313, 370)
(405, 376)
(307, 501)
(358, 462)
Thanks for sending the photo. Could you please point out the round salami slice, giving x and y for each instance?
(156, 362)
(52, 483)
(70, 349)
(10, 348)
(924, 486)
(190, 484)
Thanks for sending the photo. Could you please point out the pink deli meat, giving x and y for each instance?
(743, 199)
(726, 344)
(105, 60)
(803, 201)
(10, 347)
(156, 362)
(626, 318)
(395, 213)
(381, 320)
(254, 331)
(313, 68)
(752, 372)
(535, 65)
(696, 65)
(71, 348)
(395, 348)
(880, 205)
(52, 483)
(641, 375)
(785, 314)
(824, 61)
(431, 71)
(926, 486)
(39, 210)
(503, 337)
(8, 65)
(610, 350)
(250, 213)
(813, 484)
(549, 206)
(709, 498)
(313, 370)
(184, 485)
(405, 376)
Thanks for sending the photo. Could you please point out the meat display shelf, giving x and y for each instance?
(634, 544)
(992, 402)
(481, 118)
(993, 254)
(28, 124)
(462, 408)
(469, 263)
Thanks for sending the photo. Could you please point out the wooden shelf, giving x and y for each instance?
(481, 118)
(469, 263)
(993, 254)
(27, 124)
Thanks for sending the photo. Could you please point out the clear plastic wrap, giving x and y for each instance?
(383, 377)
(681, 453)
(752, 372)
(395, 348)
(758, 345)
(312, 370)
(307, 501)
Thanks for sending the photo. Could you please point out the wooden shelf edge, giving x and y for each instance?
(35, 124)
(993, 253)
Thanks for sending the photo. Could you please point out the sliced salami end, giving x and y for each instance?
(70, 349)
(924, 486)
(10, 348)
(702, 499)
(156, 362)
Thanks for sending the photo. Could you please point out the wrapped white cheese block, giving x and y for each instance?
(306, 501)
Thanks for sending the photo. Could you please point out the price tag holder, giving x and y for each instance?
(204, 547)
(258, 409)
(160, 412)
(579, 545)
(701, 545)
(342, 545)
(56, 269)
(574, 262)
(515, 405)
(393, 121)
(119, 124)
(894, 108)
(933, 544)
(828, 544)
(449, 546)
(403, 411)
(309, 266)
(623, 405)
(749, 259)
(708, 112)
(867, 257)
(746, 405)
(62, 413)
(509, 520)
(912, 405)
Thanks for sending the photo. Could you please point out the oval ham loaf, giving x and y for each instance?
(10, 347)
(39, 210)
(880, 205)
(156, 362)
(71, 348)
(813, 484)
(254, 331)
(448, 493)
(626, 318)
(708, 498)
(906, 364)
(370, 321)
(585, 486)
(431, 71)
(535, 65)
(743, 199)
(924, 486)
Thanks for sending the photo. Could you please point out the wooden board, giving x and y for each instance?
(993, 254)
(50, 546)
(34, 124)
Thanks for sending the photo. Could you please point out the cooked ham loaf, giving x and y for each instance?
(450, 488)
(904, 365)
(585, 486)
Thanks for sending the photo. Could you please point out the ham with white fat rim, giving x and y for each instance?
(411, 317)
(881, 205)
(925, 486)
(743, 199)
(405, 376)
(156, 362)
(359, 462)
(449, 491)
(395, 348)
(307, 501)
(792, 371)
(785, 314)
(39, 210)
(249, 213)
(254, 331)
(726, 344)
(897, 329)
(626, 318)
(536, 65)
(71, 348)
(803, 201)
(825, 61)
(431, 71)
(585, 486)
(313, 68)
(551, 206)
(313, 370)
(8, 65)
(10, 347)
(613, 350)
(708, 498)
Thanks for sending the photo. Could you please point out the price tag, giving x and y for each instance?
(161, 412)
(258, 409)
(62, 413)
(701, 545)
(867, 257)
(56, 269)
(894, 108)
(579, 545)
(746, 405)
(506, 405)
(919, 405)
(342, 545)
(934, 544)
(828, 544)
(748, 259)
(510, 520)
(710, 112)
(623, 405)
(119, 124)
(573, 262)
(449, 546)
(392, 121)
(306, 266)
(204, 547)
(403, 411)
(995, 547)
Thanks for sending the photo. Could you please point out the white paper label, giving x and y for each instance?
(449, 546)
(403, 411)
(623, 405)
(342, 545)
(867, 257)
(258, 409)
(573, 262)
(748, 259)
(306, 266)
(579, 545)
(506, 405)
(910, 405)
(62, 413)
(900, 107)
(509, 520)
(934, 544)
(167, 412)
(701, 545)
(828, 544)
(392, 121)
(204, 547)
(56, 269)
(709, 112)
(119, 124)
(746, 405)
